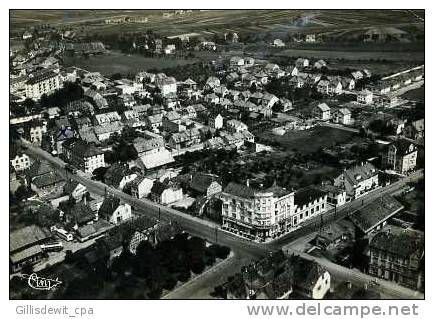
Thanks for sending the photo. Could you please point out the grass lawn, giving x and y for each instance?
(415, 95)
(309, 141)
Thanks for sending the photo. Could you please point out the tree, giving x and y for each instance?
(98, 173)
(23, 192)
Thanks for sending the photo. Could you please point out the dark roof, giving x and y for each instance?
(36, 78)
(306, 195)
(239, 190)
(82, 148)
(306, 272)
(24, 237)
(404, 147)
(81, 213)
(115, 173)
(201, 181)
(48, 179)
(278, 191)
(373, 214)
(70, 186)
(403, 243)
(39, 168)
(109, 205)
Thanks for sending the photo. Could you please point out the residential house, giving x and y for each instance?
(184, 139)
(301, 63)
(322, 112)
(336, 196)
(141, 186)
(278, 43)
(166, 192)
(309, 202)
(342, 116)
(236, 126)
(400, 156)
(114, 211)
(206, 184)
(118, 175)
(19, 160)
(154, 122)
(83, 155)
(152, 151)
(166, 85)
(215, 121)
(358, 180)
(319, 64)
(106, 118)
(365, 97)
(74, 189)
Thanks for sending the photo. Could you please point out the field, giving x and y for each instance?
(415, 95)
(339, 23)
(308, 141)
(117, 62)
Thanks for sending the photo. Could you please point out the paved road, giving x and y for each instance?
(244, 250)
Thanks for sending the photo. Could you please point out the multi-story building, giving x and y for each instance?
(401, 156)
(85, 156)
(256, 213)
(322, 112)
(309, 202)
(358, 180)
(166, 85)
(42, 83)
(398, 256)
(342, 116)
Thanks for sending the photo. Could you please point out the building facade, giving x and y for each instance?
(44, 83)
(401, 156)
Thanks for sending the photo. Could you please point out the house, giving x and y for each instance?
(184, 139)
(118, 175)
(336, 196)
(358, 180)
(35, 130)
(215, 121)
(357, 75)
(152, 151)
(398, 256)
(166, 85)
(323, 86)
(212, 82)
(292, 70)
(106, 118)
(114, 211)
(348, 83)
(236, 126)
(206, 184)
(131, 118)
(397, 125)
(141, 186)
(400, 156)
(25, 246)
(236, 61)
(415, 130)
(43, 179)
(80, 214)
(154, 122)
(309, 202)
(18, 159)
(211, 98)
(166, 192)
(83, 155)
(104, 132)
(322, 112)
(365, 97)
(311, 280)
(74, 189)
(374, 216)
(335, 87)
(319, 64)
(278, 43)
(301, 63)
(342, 116)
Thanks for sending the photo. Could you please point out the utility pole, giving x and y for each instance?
(159, 214)
(216, 233)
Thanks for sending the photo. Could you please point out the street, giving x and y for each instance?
(245, 251)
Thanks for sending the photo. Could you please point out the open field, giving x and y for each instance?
(210, 22)
(117, 62)
(309, 141)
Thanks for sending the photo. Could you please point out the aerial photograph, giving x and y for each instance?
(216, 154)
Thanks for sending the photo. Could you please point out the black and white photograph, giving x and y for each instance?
(221, 154)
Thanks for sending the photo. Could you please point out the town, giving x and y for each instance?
(228, 164)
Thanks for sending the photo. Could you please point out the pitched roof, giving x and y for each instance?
(403, 243)
(202, 181)
(358, 173)
(26, 236)
(306, 195)
(109, 205)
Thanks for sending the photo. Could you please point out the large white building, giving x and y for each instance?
(256, 213)
(19, 161)
(401, 156)
(365, 97)
(358, 180)
(42, 83)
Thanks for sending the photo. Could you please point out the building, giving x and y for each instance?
(206, 184)
(166, 192)
(365, 97)
(278, 43)
(342, 116)
(25, 246)
(336, 196)
(118, 175)
(167, 85)
(256, 214)
(35, 130)
(114, 211)
(415, 130)
(358, 180)
(322, 112)
(398, 256)
(87, 157)
(309, 202)
(19, 160)
(42, 83)
(236, 126)
(106, 118)
(152, 151)
(141, 186)
(184, 139)
(301, 63)
(400, 156)
(215, 121)
(374, 216)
